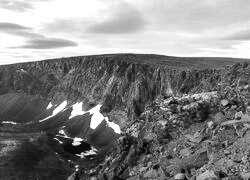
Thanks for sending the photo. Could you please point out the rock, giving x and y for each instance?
(207, 175)
(185, 152)
(238, 115)
(154, 174)
(143, 169)
(227, 152)
(233, 178)
(149, 136)
(242, 82)
(93, 178)
(162, 122)
(180, 176)
(210, 124)
(149, 164)
(102, 176)
(248, 110)
(73, 176)
(233, 107)
(224, 102)
(229, 163)
(245, 175)
(219, 118)
(196, 138)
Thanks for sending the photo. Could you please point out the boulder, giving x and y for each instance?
(180, 176)
(219, 118)
(224, 102)
(185, 152)
(238, 115)
(207, 175)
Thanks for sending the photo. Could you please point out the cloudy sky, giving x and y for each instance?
(40, 29)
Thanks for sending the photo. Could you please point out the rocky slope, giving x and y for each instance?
(146, 95)
(124, 84)
(196, 136)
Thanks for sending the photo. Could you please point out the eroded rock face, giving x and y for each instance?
(120, 83)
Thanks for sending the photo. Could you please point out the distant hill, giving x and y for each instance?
(171, 61)
(155, 59)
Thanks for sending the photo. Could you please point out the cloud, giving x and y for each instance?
(47, 43)
(16, 5)
(35, 40)
(18, 30)
(19, 5)
(66, 25)
(124, 20)
(6, 26)
(240, 35)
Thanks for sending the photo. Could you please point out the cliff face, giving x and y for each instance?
(122, 84)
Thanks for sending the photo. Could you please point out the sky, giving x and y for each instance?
(33, 30)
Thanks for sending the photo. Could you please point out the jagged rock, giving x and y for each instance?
(150, 136)
(196, 138)
(224, 102)
(143, 169)
(176, 165)
(180, 176)
(207, 175)
(210, 124)
(238, 115)
(219, 118)
(155, 174)
(185, 152)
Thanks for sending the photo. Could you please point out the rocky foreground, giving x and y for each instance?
(193, 136)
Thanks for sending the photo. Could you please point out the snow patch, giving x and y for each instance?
(60, 108)
(50, 105)
(58, 140)
(77, 110)
(63, 134)
(92, 151)
(77, 141)
(114, 126)
(9, 122)
(22, 71)
(97, 118)
(77, 167)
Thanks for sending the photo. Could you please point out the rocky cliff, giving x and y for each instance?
(124, 84)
